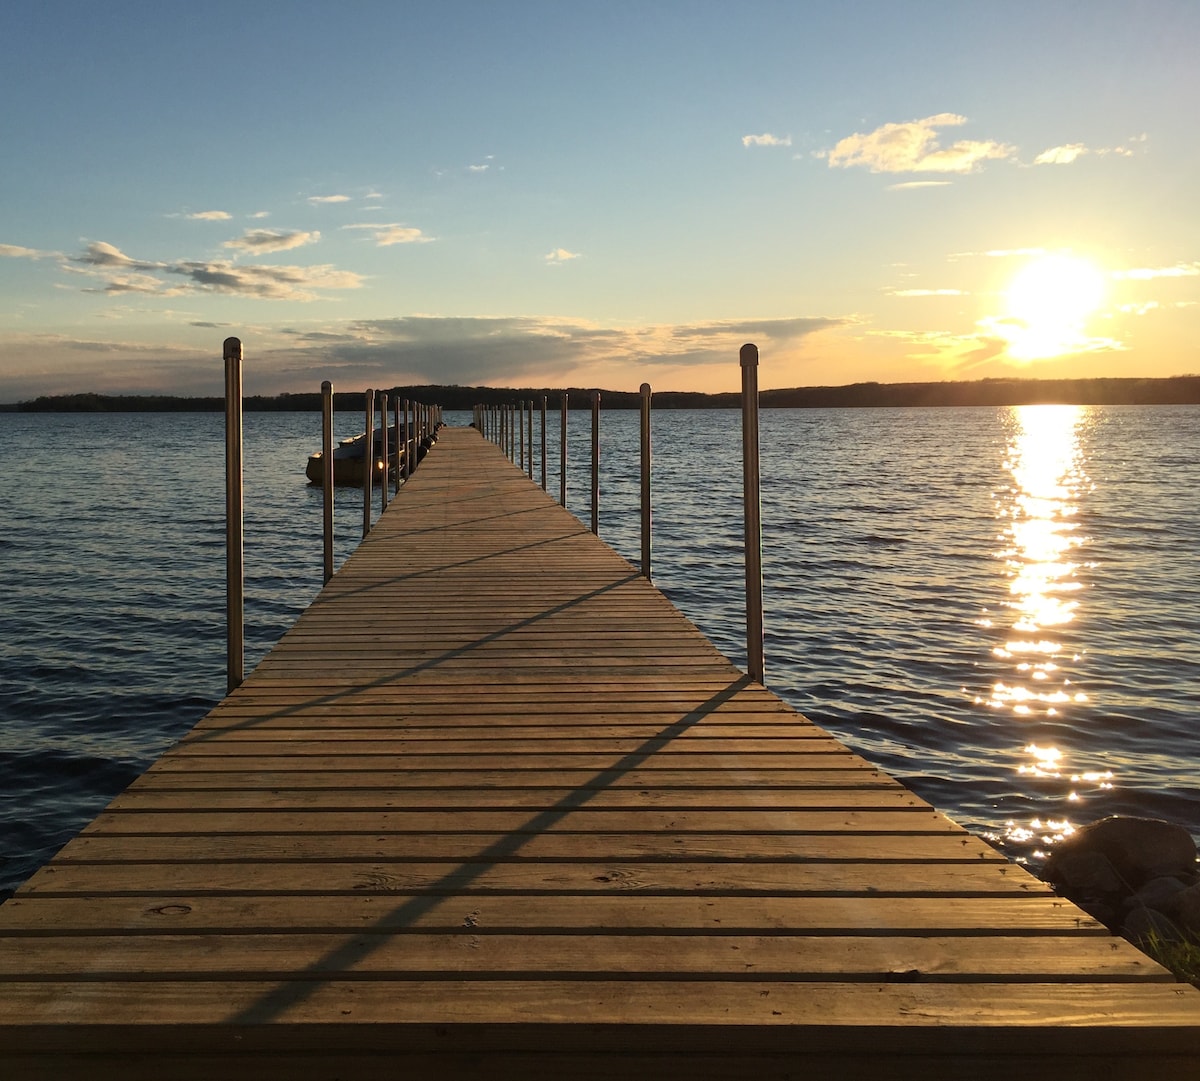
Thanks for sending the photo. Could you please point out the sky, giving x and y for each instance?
(549, 193)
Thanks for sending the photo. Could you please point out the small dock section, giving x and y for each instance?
(494, 808)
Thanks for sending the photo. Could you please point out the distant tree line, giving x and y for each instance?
(1175, 390)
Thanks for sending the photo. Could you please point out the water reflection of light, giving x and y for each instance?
(1040, 550)
(1039, 540)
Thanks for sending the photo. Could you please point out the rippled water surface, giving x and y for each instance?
(998, 606)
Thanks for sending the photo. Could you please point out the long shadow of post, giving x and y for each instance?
(272, 1005)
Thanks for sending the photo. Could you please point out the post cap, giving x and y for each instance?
(645, 388)
(749, 355)
(233, 349)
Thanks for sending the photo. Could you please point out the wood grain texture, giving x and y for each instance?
(493, 807)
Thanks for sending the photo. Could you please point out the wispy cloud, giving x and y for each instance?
(318, 200)
(766, 139)
(1069, 153)
(260, 214)
(1061, 155)
(928, 293)
(121, 273)
(387, 233)
(210, 215)
(15, 251)
(907, 184)
(100, 254)
(560, 256)
(913, 147)
(266, 240)
(1179, 270)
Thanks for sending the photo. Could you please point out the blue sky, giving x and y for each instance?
(542, 193)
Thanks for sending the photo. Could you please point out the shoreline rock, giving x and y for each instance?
(1137, 876)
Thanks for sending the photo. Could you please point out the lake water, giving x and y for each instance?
(997, 606)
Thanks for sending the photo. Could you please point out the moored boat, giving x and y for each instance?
(349, 456)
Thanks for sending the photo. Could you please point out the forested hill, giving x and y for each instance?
(1177, 390)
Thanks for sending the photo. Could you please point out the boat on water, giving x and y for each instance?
(349, 456)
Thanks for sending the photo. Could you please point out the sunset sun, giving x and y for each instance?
(1047, 306)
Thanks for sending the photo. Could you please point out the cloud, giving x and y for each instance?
(98, 253)
(388, 233)
(265, 282)
(317, 200)
(766, 139)
(260, 214)
(913, 147)
(146, 284)
(1179, 270)
(210, 215)
(1061, 155)
(560, 256)
(478, 168)
(928, 293)
(264, 240)
(123, 274)
(15, 251)
(905, 185)
(511, 349)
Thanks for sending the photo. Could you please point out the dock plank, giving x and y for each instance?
(493, 807)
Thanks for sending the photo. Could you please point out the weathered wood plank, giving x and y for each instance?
(567, 817)
(839, 772)
(473, 954)
(387, 797)
(578, 878)
(532, 844)
(1013, 916)
(613, 1015)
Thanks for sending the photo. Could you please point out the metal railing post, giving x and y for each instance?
(596, 462)
(402, 434)
(399, 445)
(753, 513)
(386, 449)
(520, 433)
(529, 431)
(562, 453)
(543, 442)
(327, 474)
(368, 457)
(235, 568)
(645, 388)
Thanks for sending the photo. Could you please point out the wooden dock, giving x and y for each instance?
(494, 808)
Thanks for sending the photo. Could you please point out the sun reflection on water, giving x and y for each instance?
(1041, 550)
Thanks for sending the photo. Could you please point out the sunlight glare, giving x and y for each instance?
(1048, 304)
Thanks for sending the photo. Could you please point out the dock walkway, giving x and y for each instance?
(494, 808)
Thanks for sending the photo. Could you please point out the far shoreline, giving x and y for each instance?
(1171, 390)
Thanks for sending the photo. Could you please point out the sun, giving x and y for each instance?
(1048, 303)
